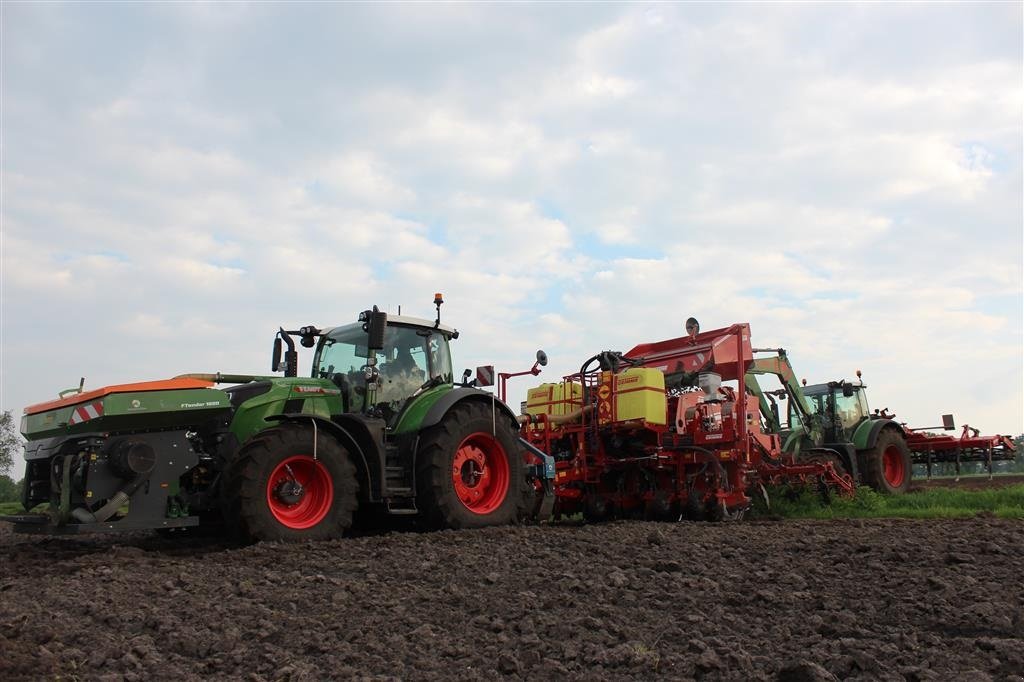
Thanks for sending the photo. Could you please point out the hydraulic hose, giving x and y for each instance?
(585, 365)
(711, 458)
(219, 378)
(607, 360)
(120, 498)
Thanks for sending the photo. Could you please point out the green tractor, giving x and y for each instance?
(834, 417)
(379, 427)
(874, 443)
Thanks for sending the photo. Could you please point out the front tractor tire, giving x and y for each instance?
(887, 467)
(276, 489)
(470, 470)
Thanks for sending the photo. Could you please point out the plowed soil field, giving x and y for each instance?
(793, 600)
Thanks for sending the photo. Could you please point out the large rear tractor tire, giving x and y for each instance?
(470, 470)
(276, 489)
(887, 467)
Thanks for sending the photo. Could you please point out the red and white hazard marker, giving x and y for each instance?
(485, 375)
(86, 412)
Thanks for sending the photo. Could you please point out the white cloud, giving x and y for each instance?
(363, 178)
(195, 274)
(847, 179)
(145, 326)
(610, 86)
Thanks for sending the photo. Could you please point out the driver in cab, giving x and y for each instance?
(401, 376)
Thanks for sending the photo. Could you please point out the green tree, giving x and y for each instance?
(9, 490)
(10, 441)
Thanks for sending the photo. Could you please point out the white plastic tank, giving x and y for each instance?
(709, 382)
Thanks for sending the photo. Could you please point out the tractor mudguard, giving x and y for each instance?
(866, 434)
(345, 438)
(369, 433)
(48, 447)
(446, 402)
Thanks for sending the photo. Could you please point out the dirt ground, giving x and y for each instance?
(793, 600)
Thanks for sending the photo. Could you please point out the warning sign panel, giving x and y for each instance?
(485, 375)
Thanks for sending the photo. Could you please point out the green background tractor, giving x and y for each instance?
(879, 444)
(834, 417)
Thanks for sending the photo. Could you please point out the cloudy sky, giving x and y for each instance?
(181, 179)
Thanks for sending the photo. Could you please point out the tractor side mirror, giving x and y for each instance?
(275, 358)
(542, 358)
(291, 356)
(847, 390)
(947, 422)
(375, 328)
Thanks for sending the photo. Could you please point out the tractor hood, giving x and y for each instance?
(166, 403)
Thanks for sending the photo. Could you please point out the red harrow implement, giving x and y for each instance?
(931, 448)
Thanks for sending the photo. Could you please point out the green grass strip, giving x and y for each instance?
(939, 503)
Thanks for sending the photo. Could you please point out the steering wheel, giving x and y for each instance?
(430, 383)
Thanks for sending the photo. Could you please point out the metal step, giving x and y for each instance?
(403, 512)
(406, 507)
(397, 483)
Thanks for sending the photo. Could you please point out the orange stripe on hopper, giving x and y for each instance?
(163, 385)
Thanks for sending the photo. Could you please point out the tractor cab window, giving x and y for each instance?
(850, 409)
(794, 415)
(404, 365)
(341, 358)
(862, 401)
(410, 358)
(422, 353)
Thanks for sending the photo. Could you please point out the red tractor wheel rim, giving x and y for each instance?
(480, 473)
(305, 509)
(893, 467)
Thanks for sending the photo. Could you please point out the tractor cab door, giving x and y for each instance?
(847, 409)
(413, 359)
(404, 365)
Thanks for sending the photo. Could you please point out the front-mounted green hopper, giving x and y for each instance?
(125, 447)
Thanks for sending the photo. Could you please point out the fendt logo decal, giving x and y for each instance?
(319, 390)
(86, 412)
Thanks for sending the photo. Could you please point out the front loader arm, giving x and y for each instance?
(770, 416)
(780, 366)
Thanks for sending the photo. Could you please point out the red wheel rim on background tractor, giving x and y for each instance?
(480, 473)
(893, 467)
(300, 492)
